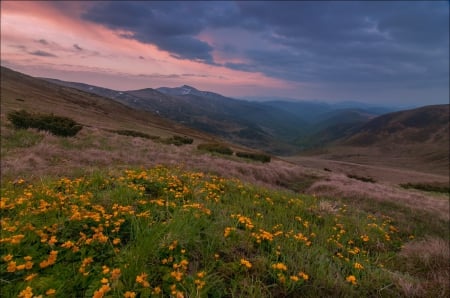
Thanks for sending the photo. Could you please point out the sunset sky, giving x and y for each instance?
(391, 53)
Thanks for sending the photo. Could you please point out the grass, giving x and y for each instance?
(254, 156)
(215, 148)
(166, 232)
(431, 187)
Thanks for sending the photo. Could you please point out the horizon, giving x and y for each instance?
(362, 52)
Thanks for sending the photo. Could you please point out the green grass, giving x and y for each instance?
(171, 232)
(20, 138)
(215, 148)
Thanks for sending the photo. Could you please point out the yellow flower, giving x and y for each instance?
(358, 266)
(246, 263)
(50, 292)
(104, 281)
(351, 279)
(279, 266)
(27, 293)
(303, 275)
(294, 278)
(7, 258)
(11, 266)
(115, 274)
(30, 277)
(129, 294)
(142, 279)
(365, 238)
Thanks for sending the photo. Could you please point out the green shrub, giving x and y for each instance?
(434, 187)
(255, 156)
(57, 125)
(134, 133)
(215, 147)
(178, 140)
(361, 178)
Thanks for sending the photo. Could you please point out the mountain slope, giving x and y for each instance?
(416, 139)
(20, 91)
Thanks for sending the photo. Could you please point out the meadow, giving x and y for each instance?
(168, 232)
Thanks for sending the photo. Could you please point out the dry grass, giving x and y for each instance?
(428, 260)
(338, 185)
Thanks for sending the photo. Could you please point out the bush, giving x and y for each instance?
(57, 125)
(255, 156)
(433, 187)
(361, 178)
(215, 147)
(134, 133)
(178, 140)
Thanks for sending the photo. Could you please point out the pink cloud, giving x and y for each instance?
(28, 27)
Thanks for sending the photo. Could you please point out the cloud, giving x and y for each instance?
(171, 26)
(141, 57)
(42, 53)
(77, 47)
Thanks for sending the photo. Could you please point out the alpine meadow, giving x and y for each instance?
(311, 159)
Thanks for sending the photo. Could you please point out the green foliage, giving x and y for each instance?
(361, 178)
(433, 187)
(255, 156)
(165, 232)
(134, 133)
(178, 140)
(57, 125)
(21, 138)
(215, 147)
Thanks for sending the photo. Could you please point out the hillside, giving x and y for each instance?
(103, 213)
(20, 91)
(277, 127)
(247, 123)
(417, 139)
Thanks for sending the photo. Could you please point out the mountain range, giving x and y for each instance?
(418, 137)
(278, 127)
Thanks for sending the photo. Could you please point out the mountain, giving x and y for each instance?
(429, 124)
(20, 91)
(248, 123)
(417, 139)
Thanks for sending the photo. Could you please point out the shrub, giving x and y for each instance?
(255, 156)
(215, 147)
(134, 133)
(57, 125)
(178, 140)
(361, 178)
(433, 187)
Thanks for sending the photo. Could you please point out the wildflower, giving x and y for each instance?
(246, 263)
(7, 258)
(228, 231)
(177, 275)
(351, 279)
(358, 266)
(50, 292)
(279, 266)
(365, 238)
(142, 279)
(156, 291)
(30, 277)
(11, 266)
(104, 280)
(27, 293)
(303, 275)
(102, 291)
(129, 294)
(115, 274)
(201, 274)
(116, 241)
(293, 278)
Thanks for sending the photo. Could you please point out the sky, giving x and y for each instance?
(386, 52)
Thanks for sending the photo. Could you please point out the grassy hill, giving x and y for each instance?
(103, 214)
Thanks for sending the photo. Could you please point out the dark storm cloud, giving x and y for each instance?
(172, 26)
(324, 42)
(42, 54)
